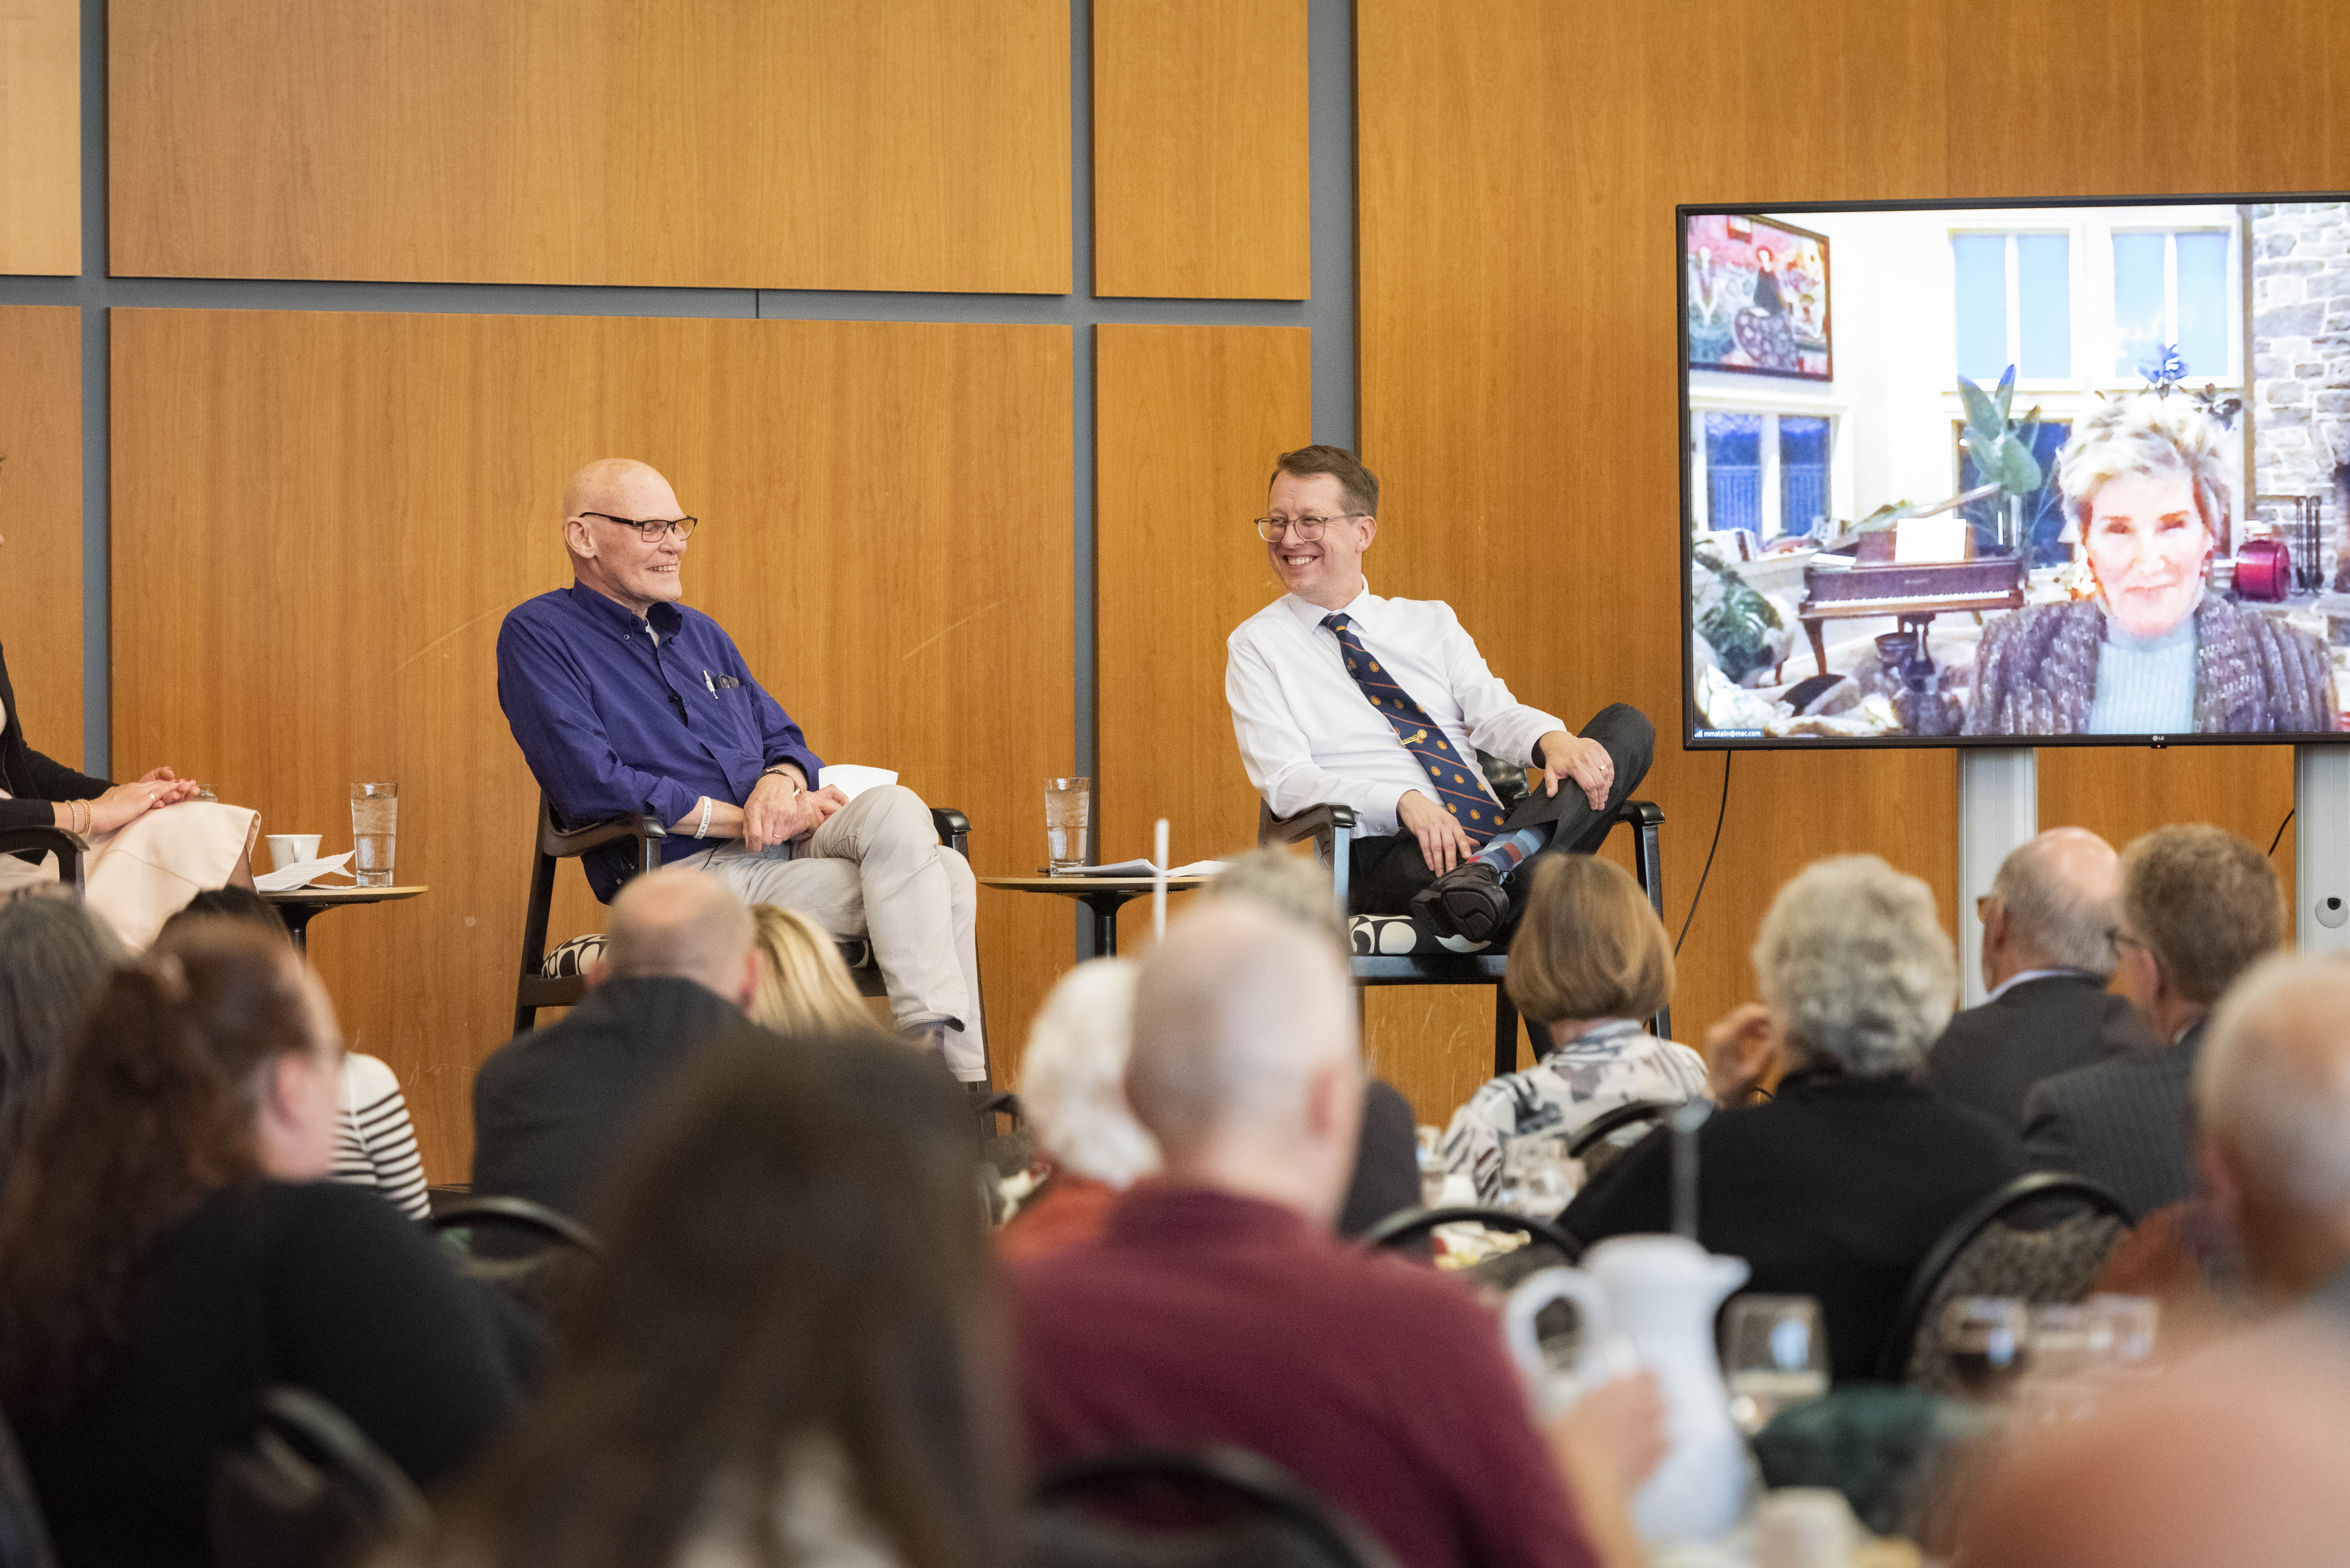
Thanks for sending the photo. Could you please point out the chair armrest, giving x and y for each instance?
(954, 829)
(563, 843)
(1314, 822)
(1641, 814)
(48, 840)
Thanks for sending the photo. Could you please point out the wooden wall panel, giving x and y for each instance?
(920, 144)
(40, 136)
(1518, 396)
(1186, 421)
(1201, 149)
(40, 518)
(887, 511)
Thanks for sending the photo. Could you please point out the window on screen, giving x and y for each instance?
(1767, 474)
(2014, 305)
(2170, 286)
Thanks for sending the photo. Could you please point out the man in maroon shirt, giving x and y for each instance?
(1219, 1307)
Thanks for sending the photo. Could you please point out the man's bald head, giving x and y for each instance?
(2273, 1106)
(683, 924)
(621, 486)
(2061, 891)
(1243, 1031)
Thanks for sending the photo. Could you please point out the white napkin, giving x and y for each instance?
(853, 780)
(303, 873)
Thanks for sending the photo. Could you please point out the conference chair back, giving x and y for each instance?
(306, 1489)
(1206, 1507)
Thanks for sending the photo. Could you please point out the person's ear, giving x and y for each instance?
(578, 538)
(746, 984)
(2222, 1184)
(1370, 531)
(1995, 924)
(593, 975)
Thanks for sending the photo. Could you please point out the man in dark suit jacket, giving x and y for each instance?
(2198, 906)
(552, 1107)
(2047, 953)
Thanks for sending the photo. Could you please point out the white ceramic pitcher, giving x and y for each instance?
(1655, 1297)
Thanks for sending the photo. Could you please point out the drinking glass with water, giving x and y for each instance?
(1778, 1356)
(1068, 812)
(375, 832)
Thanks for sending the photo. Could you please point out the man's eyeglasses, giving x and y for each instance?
(1308, 529)
(651, 529)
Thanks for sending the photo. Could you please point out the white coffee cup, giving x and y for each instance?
(1804, 1527)
(292, 848)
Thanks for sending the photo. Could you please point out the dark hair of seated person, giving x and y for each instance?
(229, 904)
(795, 1261)
(53, 956)
(149, 1121)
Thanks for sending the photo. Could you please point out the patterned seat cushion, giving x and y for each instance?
(1400, 935)
(575, 958)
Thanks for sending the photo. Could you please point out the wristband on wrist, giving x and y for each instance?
(701, 828)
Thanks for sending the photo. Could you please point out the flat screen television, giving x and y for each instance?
(2019, 472)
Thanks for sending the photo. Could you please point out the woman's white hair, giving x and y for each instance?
(1856, 966)
(1072, 1078)
(2148, 435)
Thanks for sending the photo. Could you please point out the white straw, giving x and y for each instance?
(1158, 882)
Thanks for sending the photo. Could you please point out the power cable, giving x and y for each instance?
(1720, 812)
(2279, 833)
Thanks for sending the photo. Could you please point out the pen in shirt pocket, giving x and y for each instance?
(710, 684)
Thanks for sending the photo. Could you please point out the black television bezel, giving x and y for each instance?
(1693, 741)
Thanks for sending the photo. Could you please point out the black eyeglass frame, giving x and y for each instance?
(652, 529)
(1320, 526)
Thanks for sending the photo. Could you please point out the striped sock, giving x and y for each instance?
(1505, 853)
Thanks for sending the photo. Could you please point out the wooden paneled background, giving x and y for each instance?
(320, 519)
(40, 136)
(1520, 161)
(1187, 420)
(1200, 149)
(888, 543)
(40, 518)
(917, 144)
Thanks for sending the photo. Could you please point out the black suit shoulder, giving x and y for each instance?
(1990, 1056)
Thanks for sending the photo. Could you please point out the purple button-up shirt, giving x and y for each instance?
(618, 714)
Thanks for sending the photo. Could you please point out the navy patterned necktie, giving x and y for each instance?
(1460, 787)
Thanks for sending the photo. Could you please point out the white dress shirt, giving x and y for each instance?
(1307, 734)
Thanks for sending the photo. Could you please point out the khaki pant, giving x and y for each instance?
(876, 869)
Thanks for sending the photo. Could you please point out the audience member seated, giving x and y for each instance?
(1590, 964)
(787, 1356)
(1837, 1188)
(2199, 907)
(552, 1107)
(625, 702)
(53, 956)
(375, 1143)
(803, 988)
(1073, 1092)
(2273, 1097)
(1219, 1308)
(2235, 1458)
(151, 842)
(2047, 954)
(1387, 1152)
(174, 1248)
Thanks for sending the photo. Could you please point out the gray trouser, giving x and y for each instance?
(876, 869)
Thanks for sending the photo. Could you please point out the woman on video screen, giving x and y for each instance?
(2145, 488)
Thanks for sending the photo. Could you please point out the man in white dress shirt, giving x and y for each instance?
(1340, 697)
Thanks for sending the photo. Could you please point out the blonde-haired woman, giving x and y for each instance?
(803, 987)
(1590, 963)
(2147, 490)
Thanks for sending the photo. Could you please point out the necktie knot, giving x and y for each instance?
(1335, 620)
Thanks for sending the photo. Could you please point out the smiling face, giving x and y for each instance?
(2148, 546)
(1329, 570)
(612, 558)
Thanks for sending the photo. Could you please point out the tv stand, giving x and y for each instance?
(2321, 848)
(1999, 809)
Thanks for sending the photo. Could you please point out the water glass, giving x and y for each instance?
(1778, 1356)
(1985, 1344)
(1068, 813)
(1431, 1165)
(1537, 1177)
(2128, 1323)
(375, 832)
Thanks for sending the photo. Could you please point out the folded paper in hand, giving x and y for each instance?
(852, 780)
(1145, 869)
(302, 874)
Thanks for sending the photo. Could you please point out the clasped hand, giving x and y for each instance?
(780, 811)
(1566, 756)
(127, 801)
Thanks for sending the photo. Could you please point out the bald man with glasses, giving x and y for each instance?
(624, 700)
(1342, 698)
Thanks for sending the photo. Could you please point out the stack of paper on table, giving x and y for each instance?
(1143, 868)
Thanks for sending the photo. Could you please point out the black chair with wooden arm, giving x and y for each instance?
(559, 978)
(1396, 950)
(70, 848)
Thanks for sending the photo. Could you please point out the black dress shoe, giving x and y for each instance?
(1468, 901)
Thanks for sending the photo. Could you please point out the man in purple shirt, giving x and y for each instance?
(1219, 1308)
(624, 700)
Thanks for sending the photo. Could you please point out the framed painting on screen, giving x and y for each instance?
(1758, 297)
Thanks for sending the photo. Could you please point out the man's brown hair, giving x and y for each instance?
(1590, 945)
(1359, 484)
(2206, 904)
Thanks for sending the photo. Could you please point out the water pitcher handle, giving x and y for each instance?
(1539, 1290)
